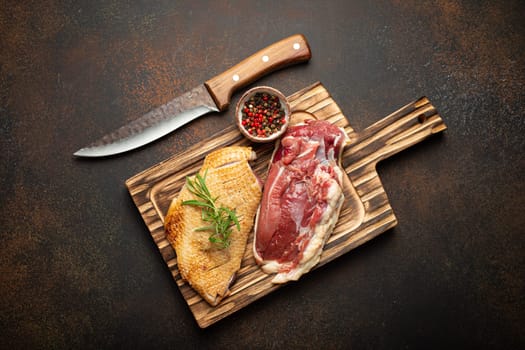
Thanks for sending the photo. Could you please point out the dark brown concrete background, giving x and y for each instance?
(78, 268)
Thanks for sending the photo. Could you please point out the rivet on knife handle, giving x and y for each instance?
(294, 49)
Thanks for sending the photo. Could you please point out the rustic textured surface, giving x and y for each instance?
(78, 267)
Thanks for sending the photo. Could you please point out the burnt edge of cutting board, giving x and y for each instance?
(366, 212)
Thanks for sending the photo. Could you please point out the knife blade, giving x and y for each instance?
(212, 96)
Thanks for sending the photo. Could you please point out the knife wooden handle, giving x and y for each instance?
(294, 49)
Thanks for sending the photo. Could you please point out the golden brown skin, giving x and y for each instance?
(209, 269)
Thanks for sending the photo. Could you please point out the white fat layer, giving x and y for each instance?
(339, 174)
(271, 266)
(322, 231)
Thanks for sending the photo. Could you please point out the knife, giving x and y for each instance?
(212, 96)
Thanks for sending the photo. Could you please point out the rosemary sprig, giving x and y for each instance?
(221, 219)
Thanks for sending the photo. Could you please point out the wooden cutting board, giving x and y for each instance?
(366, 212)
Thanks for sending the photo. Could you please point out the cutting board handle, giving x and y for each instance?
(407, 126)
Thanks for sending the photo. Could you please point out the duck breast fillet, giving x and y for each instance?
(302, 198)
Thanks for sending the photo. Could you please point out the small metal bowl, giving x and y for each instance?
(239, 113)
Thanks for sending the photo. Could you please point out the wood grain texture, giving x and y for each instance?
(366, 212)
(291, 50)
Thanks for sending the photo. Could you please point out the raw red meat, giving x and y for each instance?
(301, 200)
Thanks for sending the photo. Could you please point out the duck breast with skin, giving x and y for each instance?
(302, 198)
(211, 269)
